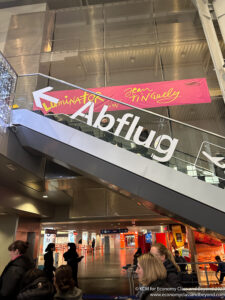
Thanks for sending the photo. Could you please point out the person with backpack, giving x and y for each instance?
(36, 286)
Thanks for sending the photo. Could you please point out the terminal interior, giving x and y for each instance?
(63, 180)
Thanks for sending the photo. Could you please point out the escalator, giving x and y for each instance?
(178, 168)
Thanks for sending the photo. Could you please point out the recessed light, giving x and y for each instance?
(45, 196)
(11, 167)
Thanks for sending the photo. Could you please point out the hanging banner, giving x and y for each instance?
(146, 95)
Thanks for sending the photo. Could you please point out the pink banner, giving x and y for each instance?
(146, 95)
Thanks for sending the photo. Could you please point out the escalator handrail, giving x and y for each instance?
(117, 101)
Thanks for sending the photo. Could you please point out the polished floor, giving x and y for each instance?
(101, 272)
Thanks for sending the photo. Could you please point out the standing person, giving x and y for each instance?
(108, 135)
(36, 286)
(93, 245)
(49, 261)
(162, 253)
(221, 268)
(137, 254)
(72, 258)
(65, 285)
(13, 273)
(180, 260)
(152, 277)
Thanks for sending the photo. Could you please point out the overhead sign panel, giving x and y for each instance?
(146, 95)
(111, 231)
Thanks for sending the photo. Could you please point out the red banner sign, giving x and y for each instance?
(146, 95)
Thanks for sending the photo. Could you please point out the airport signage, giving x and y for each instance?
(113, 231)
(133, 132)
(77, 103)
(148, 237)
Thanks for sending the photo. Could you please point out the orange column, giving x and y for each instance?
(122, 241)
(136, 239)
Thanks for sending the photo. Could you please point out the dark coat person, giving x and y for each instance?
(13, 273)
(107, 136)
(173, 270)
(49, 261)
(36, 286)
(181, 261)
(173, 277)
(93, 244)
(221, 268)
(72, 258)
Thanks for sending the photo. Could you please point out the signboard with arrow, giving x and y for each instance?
(215, 160)
(40, 94)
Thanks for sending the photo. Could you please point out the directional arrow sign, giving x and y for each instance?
(40, 94)
(215, 160)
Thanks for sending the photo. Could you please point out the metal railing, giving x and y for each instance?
(198, 277)
(187, 156)
(122, 103)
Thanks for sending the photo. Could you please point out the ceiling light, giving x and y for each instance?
(45, 196)
(11, 167)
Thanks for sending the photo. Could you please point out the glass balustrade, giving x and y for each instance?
(187, 149)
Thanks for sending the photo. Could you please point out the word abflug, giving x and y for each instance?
(134, 129)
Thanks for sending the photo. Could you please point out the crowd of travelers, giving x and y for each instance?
(21, 280)
(158, 272)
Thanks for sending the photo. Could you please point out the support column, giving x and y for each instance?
(213, 43)
(219, 8)
(107, 245)
(8, 227)
(192, 247)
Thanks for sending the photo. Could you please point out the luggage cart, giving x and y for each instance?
(130, 275)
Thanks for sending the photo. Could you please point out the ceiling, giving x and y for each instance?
(118, 43)
(20, 180)
(96, 226)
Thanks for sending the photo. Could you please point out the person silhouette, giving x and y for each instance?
(93, 245)
(221, 268)
(49, 261)
(72, 258)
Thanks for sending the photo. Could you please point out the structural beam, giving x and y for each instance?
(219, 9)
(212, 40)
